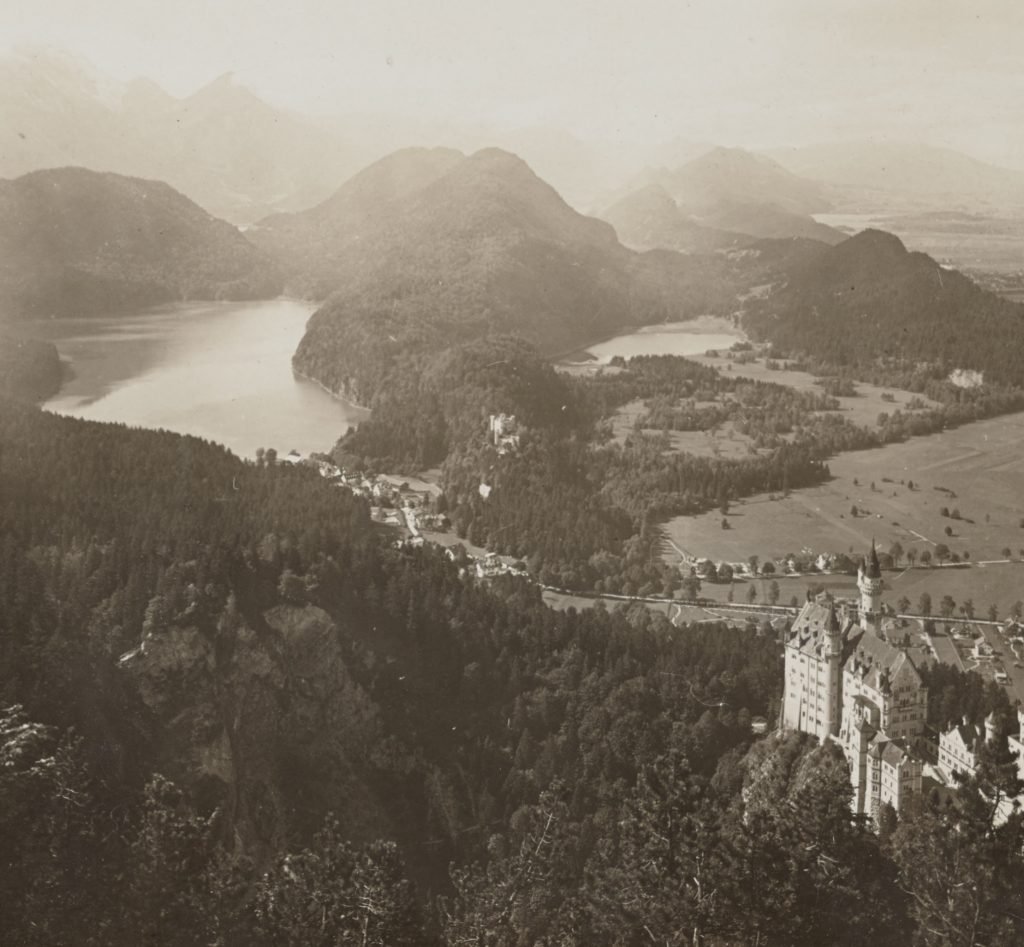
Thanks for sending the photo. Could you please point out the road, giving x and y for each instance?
(945, 650)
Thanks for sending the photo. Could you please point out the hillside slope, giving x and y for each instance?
(483, 248)
(769, 221)
(868, 301)
(650, 218)
(75, 242)
(735, 176)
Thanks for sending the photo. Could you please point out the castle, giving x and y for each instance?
(503, 430)
(847, 682)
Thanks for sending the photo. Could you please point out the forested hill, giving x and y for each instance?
(466, 247)
(649, 218)
(869, 303)
(314, 246)
(75, 242)
(734, 176)
(201, 658)
(29, 369)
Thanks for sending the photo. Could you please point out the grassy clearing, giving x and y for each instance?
(862, 409)
(978, 468)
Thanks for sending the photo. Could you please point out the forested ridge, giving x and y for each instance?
(582, 509)
(426, 249)
(29, 369)
(236, 715)
(233, 711)
(870, 307)
(75, 242)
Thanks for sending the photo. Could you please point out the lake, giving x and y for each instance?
(218, 370)
(673, 338)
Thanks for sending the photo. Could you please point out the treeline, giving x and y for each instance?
(582, 513)
(290, 664)
(437, 403)
(211, 658)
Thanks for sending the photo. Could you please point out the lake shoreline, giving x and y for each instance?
(348, 402)
(722, 327)
(219, 370)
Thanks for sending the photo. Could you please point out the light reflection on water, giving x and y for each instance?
(221, 371)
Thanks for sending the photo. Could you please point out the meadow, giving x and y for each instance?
(974, 470)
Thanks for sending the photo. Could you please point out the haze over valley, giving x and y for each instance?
(511, 474)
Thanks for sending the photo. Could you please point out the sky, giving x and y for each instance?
(756, 73)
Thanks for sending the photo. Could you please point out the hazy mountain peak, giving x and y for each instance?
(35, 69)
(370, 191)
(736, 176)
(649, 218)
(222, 146)
(144, 94)
(497, 157)
(875, 240)
(504, 164)
(738, 157)
(225, 92)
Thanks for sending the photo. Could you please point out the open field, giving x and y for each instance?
(979, 466)
(863, 409)
(723, 441)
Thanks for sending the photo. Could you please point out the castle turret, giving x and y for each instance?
(990, 727)
(833, 657)
(869, 584)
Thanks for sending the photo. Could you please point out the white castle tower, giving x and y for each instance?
(869, 584)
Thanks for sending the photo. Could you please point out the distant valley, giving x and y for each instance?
(401, 520)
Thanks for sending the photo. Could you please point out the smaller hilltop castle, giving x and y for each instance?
(846, 681)
(504, 432)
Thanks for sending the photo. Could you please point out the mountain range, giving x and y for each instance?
(428, 247)
(76, 242)
(880, 175)
(229, 151)
(735, 176)
(243, 158)
(650, 217)
(723, 198)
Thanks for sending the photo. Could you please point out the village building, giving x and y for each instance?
(490, 566)
(958, 749)
(846, 681)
